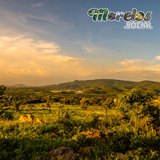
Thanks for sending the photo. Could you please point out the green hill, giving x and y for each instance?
(94, 86)
(107, 85)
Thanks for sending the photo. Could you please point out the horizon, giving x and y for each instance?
(28, 85)
(45, 42)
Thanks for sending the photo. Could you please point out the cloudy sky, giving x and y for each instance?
(53, 41)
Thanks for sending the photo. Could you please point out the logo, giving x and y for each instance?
(134, 19)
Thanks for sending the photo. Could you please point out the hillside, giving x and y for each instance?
(108, 85)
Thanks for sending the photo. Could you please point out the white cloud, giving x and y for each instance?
(22, 22)
(157, 57)
(22, 42)
(139, 65)
(37, 5)
(128, 62)
(90, 49)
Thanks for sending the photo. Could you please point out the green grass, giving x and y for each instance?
(129, 130)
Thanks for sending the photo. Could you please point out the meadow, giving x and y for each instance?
(48, 126)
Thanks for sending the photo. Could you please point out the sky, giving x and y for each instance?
(54, 41)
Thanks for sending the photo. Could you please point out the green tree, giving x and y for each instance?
(2, 90)
(48, 106)
(131, 97)
(16, 106)
(109, 102)
(85, 101)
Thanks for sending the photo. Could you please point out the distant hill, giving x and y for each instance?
(97, 86)
(18, 86)
(108, 85)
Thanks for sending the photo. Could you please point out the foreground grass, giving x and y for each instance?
(92, 133)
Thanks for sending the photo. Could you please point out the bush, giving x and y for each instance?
(7, 115)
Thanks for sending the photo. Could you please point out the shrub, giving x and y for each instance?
(7, 115)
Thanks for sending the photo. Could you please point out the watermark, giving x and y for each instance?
(134, 19)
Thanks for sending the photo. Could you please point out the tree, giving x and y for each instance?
(48, 106)
(2, 90)
(48, 101)
(109, 102)
(133, 96)
(17, 105)
(84, 101)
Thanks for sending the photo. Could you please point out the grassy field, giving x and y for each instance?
(128, 130)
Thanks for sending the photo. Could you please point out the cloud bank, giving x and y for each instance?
(24, 59)
(38, 62)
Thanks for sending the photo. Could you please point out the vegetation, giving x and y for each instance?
(108, 86)
(39, 124)
(2, 90)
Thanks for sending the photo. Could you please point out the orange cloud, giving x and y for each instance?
(25, 56)
(24, 59)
